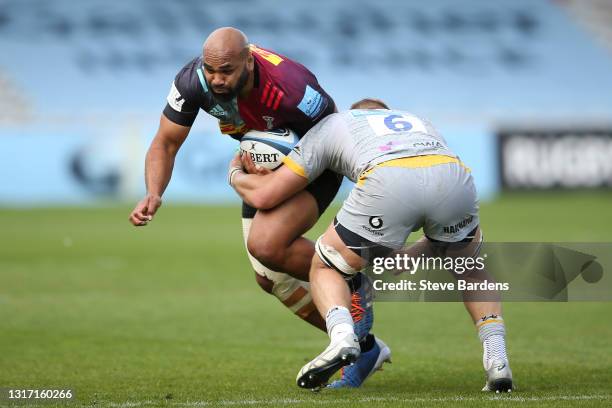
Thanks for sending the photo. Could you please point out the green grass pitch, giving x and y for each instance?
(170, 315)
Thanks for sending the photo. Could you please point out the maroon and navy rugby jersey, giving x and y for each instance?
(285, 95)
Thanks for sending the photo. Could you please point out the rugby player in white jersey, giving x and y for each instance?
(406, 179)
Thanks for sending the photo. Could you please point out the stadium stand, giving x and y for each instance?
(491, 58)
(471, 67)
(15, 108)
(596, 15)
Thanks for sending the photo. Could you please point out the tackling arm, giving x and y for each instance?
(265, 191)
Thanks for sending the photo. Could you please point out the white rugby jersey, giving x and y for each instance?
(351, 142)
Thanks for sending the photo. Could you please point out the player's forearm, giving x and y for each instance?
(158, 167)
(254, 190)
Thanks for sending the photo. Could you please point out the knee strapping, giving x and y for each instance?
(333, 259)
(292, 292)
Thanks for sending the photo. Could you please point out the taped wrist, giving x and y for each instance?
(231, 174)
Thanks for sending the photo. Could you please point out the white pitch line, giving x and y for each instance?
(362, 400)
(367, 400)
(130, 404)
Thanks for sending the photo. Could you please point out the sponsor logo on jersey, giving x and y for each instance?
(312, 104)
(453, 229)
(393, 144)
(230, 129)
(218, 111)
(175, 99)
(432, 144)
(269, 121)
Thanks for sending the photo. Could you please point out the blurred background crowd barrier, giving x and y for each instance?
(522, 90)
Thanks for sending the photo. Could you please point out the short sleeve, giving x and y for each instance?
(181, 107)
(306, 102)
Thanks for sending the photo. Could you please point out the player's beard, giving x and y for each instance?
(242, 81)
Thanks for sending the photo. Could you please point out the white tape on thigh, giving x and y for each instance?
(294, 293)
(332, 258)
(257, 266)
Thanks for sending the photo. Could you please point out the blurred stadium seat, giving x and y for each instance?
(15, 108)
(596, 15)
(471, 68)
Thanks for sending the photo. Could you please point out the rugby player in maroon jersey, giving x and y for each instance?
(247, 87)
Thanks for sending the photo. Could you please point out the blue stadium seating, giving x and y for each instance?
(93, 71)
(474, 59)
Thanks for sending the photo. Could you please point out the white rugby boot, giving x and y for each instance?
(498, 377)
(316, 373)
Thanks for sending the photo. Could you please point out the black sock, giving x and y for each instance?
(367, 344)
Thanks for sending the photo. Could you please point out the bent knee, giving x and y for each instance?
(264, 283)
(266, 251)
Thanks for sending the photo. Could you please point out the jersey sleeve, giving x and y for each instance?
(306, 102)
(181, 107)
(310, 156)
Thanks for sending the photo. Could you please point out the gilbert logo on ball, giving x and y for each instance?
(268, 148)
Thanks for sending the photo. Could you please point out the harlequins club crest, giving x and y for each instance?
(269, 121)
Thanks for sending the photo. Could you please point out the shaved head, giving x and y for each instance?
(228, 63)
(224, 43)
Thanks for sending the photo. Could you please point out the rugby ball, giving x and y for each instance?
(268, 148)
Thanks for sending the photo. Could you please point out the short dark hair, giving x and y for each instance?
(369, 103)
